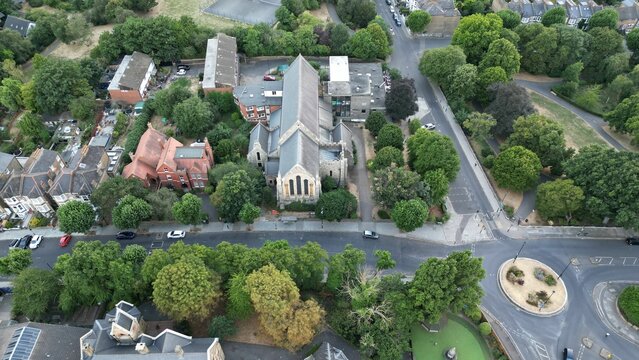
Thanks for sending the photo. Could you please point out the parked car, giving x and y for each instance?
(568, 354)
(269, 78)
(13, 243)
(125, 235)
(370, 234)
(398, 22)
(184, 66)
(35, 242)
(65, 240)
(176, 234)
(392, 9)
(632, 240)
(181, 72)
(388, 2)
(429, 126)
(24, 242)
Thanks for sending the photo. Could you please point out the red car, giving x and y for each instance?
(269, 78)
(65, 240)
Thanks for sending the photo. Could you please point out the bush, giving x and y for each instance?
(383, 214)
(328, 184)
(486, 152)
(489, 161)
(485, 329)
(540, 274)
(550, 280)
(515, 271)
(629, 304)
(414, 125)
(222, 327)
(299, 207)
(473, 313)
(509, 210)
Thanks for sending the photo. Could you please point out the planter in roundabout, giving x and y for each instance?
(533, 286)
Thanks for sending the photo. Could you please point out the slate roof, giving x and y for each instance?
(341, 133)
(5, 160)
(254, 94)
(33, 180)
(220, 64)
(189, 152)
(58, 342)
(131, 71)
(82, 176)
(22, 26)
(440, 8)
(299, 149)
(260, 134)
(301, 99)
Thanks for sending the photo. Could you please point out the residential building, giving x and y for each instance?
(161, 161)
(120, 335)
(9, 165)
(22, 26)
(37, 341)
(257, 102)
(132, 78)
(444, 16)
(26, 191)
(220, 64)
(354, 90)
(532, 11)
(327, 352)
(301, 145)
(85, 171)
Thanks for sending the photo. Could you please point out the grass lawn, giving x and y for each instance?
(192, 8)
(576, 131)
(457, 333)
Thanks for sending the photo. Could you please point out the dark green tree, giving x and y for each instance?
(409, 215)
(559, 198)
(509, 18)
(401, 100)
(188, 210)
(418, 20)
(56, 83)
(556, 15)
(233, 191)
(336, 205)
(437, 183)
(393, 184)
(517, 168)
(440, 64)
(429, 150)
(130, 211)
(504, 54)
(75, 217)
(375, 121)
(34, 293)
(475, 33)
(604, 18)
(509, 101)
(390, 135)
(387, 156)
(193, 117)
(344, 266)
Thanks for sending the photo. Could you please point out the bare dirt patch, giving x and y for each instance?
(369, 144)
(624, 139)
(250, 331)
(80, 49)
(508, 197)
(518, 294)
(321, 13)
(535, 78)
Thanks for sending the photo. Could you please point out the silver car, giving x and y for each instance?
(35, 242)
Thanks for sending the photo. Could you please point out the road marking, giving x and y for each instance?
(601, 260)
(157, 244)
(580, 352)
(472, 248)
(629, 261)
(541, 350)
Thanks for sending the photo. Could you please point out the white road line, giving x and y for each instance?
(629, 261)
(541, 350)
(582, 347)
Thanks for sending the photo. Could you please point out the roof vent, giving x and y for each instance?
(141, 348)
(179, 351)
(250, 95)
(82, 165)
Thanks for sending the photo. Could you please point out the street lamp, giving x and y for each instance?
(518, 252)
(566, 268)
(543, 303)
(322, 216)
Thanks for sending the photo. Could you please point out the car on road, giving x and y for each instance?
(183, 67)
(125, 235)
(633, 240)
(269, 78)
(181, 72)
(13, 243)
(65, 240)
(24, 242)
(428, 126)
(398, 22)
(389, 2)
(568, 354)
(176, 234)
(392, 9)
(35, 242)
(370, 234)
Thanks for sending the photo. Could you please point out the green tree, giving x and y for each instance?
(573, 72)
(375, 121)
(109, 192)
(384, 260)
(488, 77)
(336, 205)
(56, 82)
(429, 150)
(409, 215)
(32, 125)
(10, 94)
(287, 20)
(75, 217)
(440, 64)
(390, 135)
(469, 273)
(188, 210)
(193, 117)
(220, 132)
(556, 15)
(233, 191)
(393, 184)
(401, 100)
(622, 113)
(504, 54)
(431, 288)
(369, 43)
(239, 300)
(604, 18)
(161, 202)
(222, 327)
(386, 156)
(632, 42)
(544, 137)
(356, 13)
(249, 213)
(15, 261)
(227, 151)
(517, 168)
(15, 47)
(485, 329)
(509, 18)
(186, 290)
(344, 266)
(130, 211)
(475, 33)
(616, 65)
(34, 291)
(83, 108)
(167, 99)
(463, 83)
(134, 255)
(559, 198)
(538, 44)
(307, 269)
(437, 183)
(509, 102)
(479, 125)
(339, 38)
(620, 88)
(418, 20)
(152, 265)
(604, 43)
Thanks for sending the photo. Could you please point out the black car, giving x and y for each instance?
(398, 22)
(388, 2)
(24, 242)
(568, 354)
(632, 240)
(13, 243)
(125, 235)
(183, 67)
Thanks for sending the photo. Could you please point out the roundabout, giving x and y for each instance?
(532, 286)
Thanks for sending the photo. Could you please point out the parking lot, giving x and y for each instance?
(246, 11)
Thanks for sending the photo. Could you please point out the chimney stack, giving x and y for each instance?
(141, 348)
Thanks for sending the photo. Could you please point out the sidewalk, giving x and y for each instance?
(605, 297)
(510, 229)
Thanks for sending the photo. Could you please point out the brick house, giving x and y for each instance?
(220, 65)
(132, 78)
(258, 101)
(9, 165)
(161, 161)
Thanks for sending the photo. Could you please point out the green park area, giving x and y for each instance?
(455, 333)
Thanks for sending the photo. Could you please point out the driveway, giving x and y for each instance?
(207, 207)
(360, 176)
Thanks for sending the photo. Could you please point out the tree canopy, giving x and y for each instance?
(390, 135)
(34, 292)
(475, 33)
(418, 20)
(604, 18)
(336, 205)
(409, 215)
(193, 117)
(516, 168)
(559, 198)
(15, 261)
(75, 217)
(504, 54)
(392, 184)
(375, 121)
(56, 83)
(233, 191)
(556, 15)
(509, 101)
(130, 211)
(386, 156)
(439, 64)
(429, 150)
(188, 210)
(509, 18)
(401, 100)
(107, 195)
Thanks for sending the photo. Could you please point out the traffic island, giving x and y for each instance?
(532, 286)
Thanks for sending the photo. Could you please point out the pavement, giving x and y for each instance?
(359, 174)
(605, 297)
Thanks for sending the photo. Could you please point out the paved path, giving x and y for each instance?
(361, 176)
(605, 297)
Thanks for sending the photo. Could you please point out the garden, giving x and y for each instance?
(456, 333)
(628, 304)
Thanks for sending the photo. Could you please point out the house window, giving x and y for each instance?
(249, 108)
(299, 185)
(198, 176)
(273, 92)
(262, 115)
(182, 179)
(330, 173)
(166, 169)
(258, 156)
(305, 187)
(259, 164)
(260, 108)
(291, 187)
(169, 178)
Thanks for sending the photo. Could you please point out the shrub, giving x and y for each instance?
(516, 271)
(540, 274)
(414, 125)
(489, 161)
(520, 282)
(485, 329)
(486, 152)
(543, 296)
(509, 210)
(473, 313)
(383, 214)
(222, 327)
(328, 184)
(300, 206)
(550, 280)
(629, 304)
